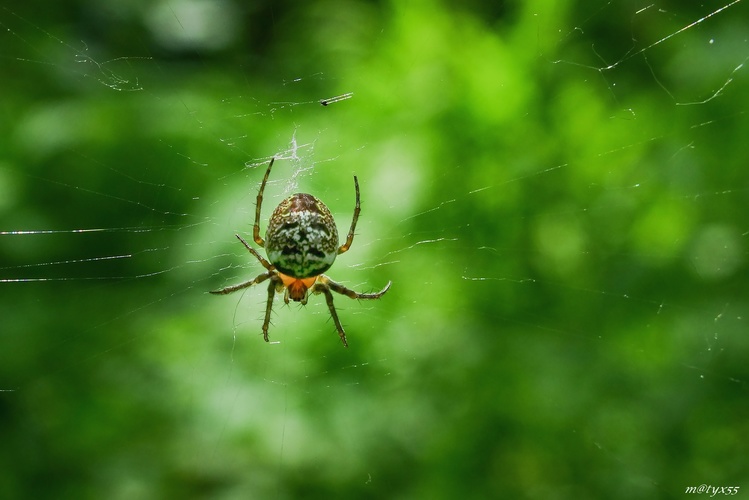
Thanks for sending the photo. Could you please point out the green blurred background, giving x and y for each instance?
(557, 190)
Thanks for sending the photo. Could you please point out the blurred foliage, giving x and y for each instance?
(557, 190)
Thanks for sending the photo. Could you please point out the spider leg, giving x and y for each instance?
(256, 227)
(338, 288)
(324, 285)
(258, 279)
(329, 299)
(254, 252)
(269, 306)
(357, 211)
(233, 288)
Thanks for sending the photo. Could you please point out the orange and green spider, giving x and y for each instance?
(301, 243)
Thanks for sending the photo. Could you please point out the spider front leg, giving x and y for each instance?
(272, 274)
(329, 299)
(274, 282)
(324, 285)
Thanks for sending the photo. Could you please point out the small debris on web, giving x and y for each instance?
(332, 100)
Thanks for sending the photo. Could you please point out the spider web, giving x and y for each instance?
(560, 208)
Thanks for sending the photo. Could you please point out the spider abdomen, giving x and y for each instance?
(302, 238)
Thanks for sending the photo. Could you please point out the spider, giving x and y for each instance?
(301, 243)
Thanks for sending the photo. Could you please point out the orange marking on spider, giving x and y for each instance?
(296, 287)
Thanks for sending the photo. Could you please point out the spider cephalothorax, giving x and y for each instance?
(301, 243)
